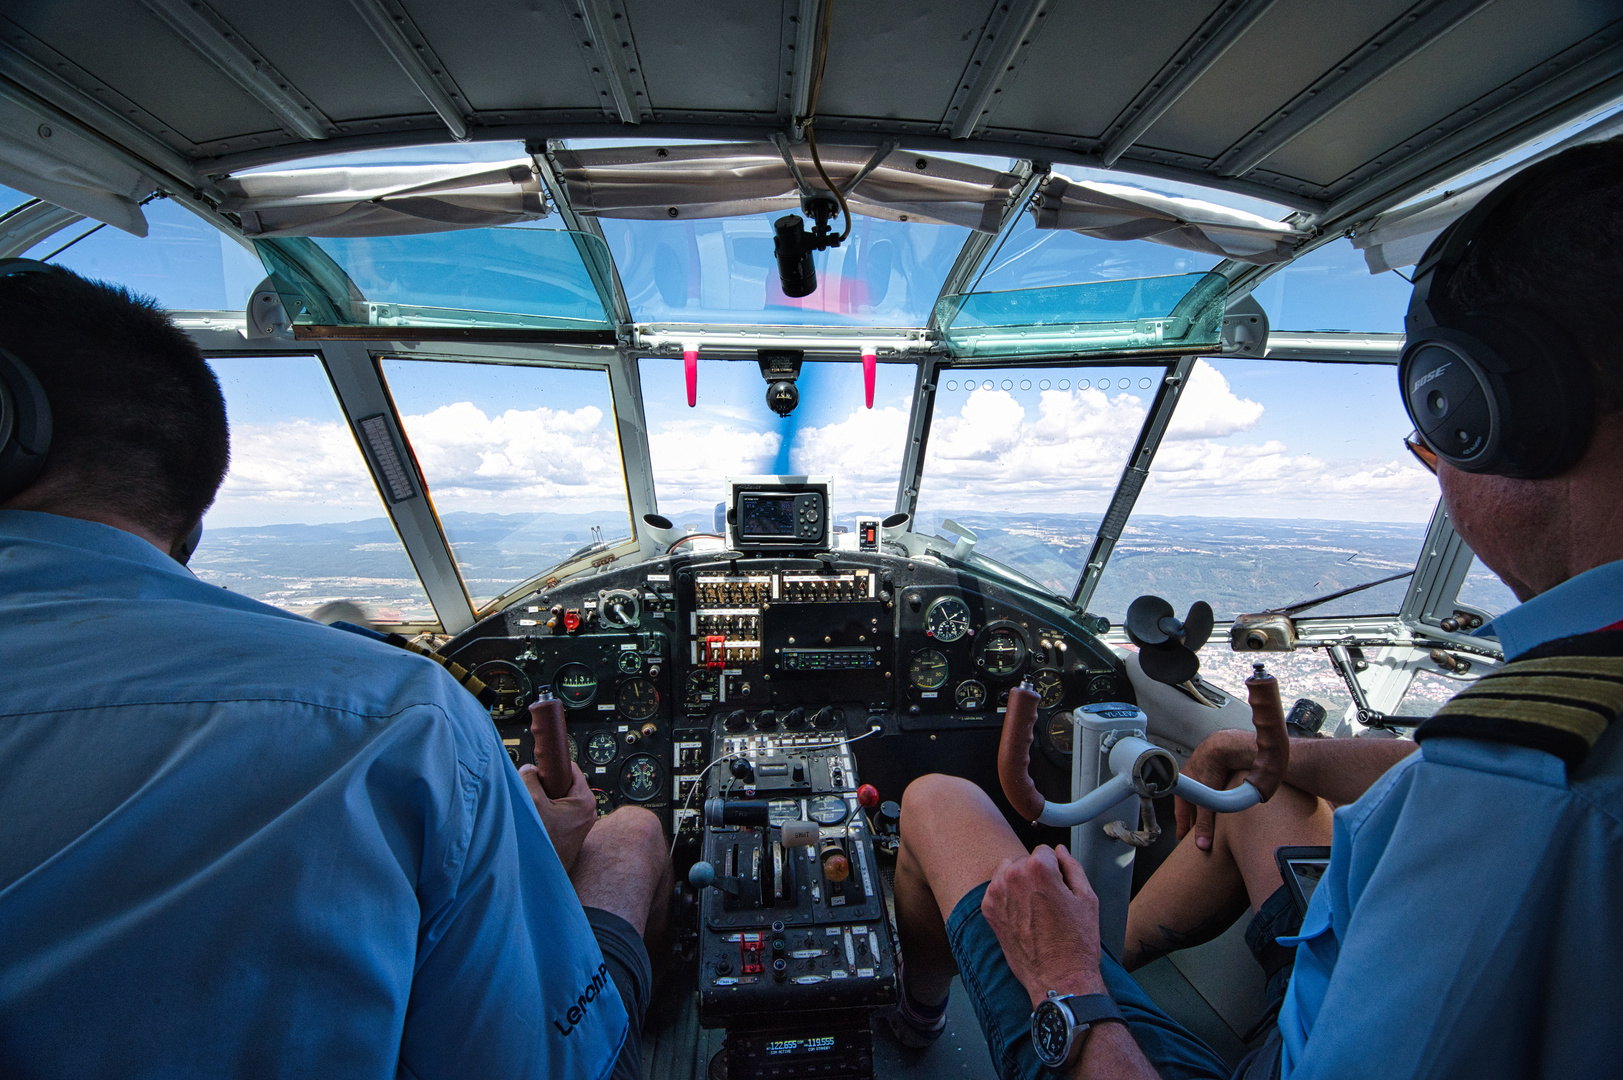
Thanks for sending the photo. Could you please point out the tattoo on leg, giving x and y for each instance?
(1143, 952)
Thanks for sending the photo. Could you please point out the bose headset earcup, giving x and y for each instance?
(25, 426)
(1498, 390)
(25, 413)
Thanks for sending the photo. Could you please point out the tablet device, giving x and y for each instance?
(1302, 868)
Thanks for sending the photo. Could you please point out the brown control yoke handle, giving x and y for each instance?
(552, 745)
(1273, 743)
(1014, 754)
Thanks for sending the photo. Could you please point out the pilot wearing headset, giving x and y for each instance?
(1470, 921)
(237, 841)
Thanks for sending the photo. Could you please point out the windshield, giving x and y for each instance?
(731, 432)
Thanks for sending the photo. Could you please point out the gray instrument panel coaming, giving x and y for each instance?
(649, 658)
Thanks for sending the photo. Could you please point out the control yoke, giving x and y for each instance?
(1139, 767)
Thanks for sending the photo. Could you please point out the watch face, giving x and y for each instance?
(1050, 1032)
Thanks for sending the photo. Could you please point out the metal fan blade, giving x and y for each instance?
(1172, 664)
(1143, 621)
(1197, 625)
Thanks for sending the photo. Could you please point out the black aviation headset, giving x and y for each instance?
(25, 419)
(1498, 389)
(25, 414)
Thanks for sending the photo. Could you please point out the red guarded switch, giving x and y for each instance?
(571, 620)
(749, 954)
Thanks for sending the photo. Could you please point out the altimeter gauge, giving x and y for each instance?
(637, 699)
(947, 619)
(928, 669)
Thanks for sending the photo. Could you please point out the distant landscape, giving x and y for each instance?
(1236, 564)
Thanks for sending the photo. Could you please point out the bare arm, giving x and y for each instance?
(1337, 770)
(1046, 918)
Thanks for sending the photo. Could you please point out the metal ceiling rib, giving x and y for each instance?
(611, 56)
(1004, 43)
(230, 53)
(1403, 38)
(1185, 67)
(393, 28)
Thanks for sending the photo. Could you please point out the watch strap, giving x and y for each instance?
(1093, 1009)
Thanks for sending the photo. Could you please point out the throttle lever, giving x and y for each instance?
(1273, 742)
(1014, 753)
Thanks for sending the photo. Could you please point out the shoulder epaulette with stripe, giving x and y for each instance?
(1559, 698)
(472, 685)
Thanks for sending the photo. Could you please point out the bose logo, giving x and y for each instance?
(578, 1010)
(1435, 373)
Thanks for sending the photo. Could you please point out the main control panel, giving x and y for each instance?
(648, 658)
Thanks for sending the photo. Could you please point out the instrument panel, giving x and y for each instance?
(647, 657)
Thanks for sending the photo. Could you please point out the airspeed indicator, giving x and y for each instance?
(928, 669)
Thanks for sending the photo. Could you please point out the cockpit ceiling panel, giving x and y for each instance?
(1080, 72)
(733, 66)
(1470, 68)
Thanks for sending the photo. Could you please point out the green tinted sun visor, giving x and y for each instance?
(1177, 313)
(507, 278)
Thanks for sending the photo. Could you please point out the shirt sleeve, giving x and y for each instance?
(509, 979)
(1428, 926)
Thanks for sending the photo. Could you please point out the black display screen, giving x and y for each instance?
(766, 515)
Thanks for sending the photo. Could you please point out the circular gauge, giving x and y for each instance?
(618, 609)
(576, 684)
(1050, 685)
(928, 669)
(827, 809)
(603, 803)
(630, 661)
(701, 687)
(947, 619)
(970, 695)
(574, 748)
(1059, 732)
(507, 687)
(1002, 651)
(638, 699)
(601, 748)
(639, 778)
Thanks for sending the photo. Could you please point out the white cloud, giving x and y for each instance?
(559, 458)
(310, 468)
(862, 454)
(1208, 409)
(693, 458)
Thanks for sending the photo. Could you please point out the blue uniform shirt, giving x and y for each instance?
(238, 842)
(1470, 923)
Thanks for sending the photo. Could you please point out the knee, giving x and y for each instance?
(632, 830)
(936, 796)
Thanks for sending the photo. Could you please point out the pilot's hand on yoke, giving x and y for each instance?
(1215, 763)
(568, 819)
(1046, 918)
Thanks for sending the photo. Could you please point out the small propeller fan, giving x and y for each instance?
(1166, 646)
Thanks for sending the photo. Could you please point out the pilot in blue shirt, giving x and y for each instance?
(238, 842)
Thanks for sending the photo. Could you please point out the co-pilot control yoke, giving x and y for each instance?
(1116, 772)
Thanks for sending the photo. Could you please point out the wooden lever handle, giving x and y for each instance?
(551, 747)
(1273, 744)
(1014, 754)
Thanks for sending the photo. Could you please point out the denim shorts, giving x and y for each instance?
(633, 976)
(1276, 918)
(1004, 1008)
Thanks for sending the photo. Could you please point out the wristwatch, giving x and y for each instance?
(1060, 1025)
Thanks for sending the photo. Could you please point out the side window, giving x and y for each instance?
(183, 262)
(1331, 288)
(523, 463)
(1277, 482)
(298, 522)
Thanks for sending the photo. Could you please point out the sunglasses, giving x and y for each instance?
(1423, 453)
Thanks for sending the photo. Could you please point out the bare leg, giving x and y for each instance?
(623, 868)
(1195, 895)
(953, 839)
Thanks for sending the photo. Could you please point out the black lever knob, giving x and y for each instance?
(795, 720)
(828, 717)
(737, 721)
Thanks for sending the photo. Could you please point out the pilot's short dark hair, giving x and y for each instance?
(1557, 246)
(138, 423)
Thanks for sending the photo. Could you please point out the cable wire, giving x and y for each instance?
(808, 121)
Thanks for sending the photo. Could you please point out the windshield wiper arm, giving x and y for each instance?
(1296, 609)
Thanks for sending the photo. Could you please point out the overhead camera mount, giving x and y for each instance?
(793, 245)
(780, 368)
